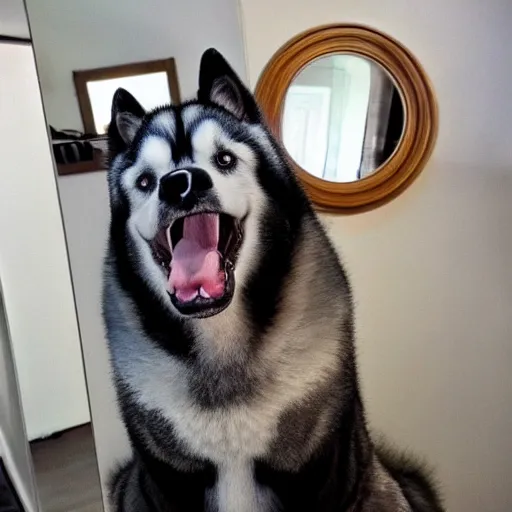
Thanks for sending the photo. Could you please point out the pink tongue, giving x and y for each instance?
(195, 266)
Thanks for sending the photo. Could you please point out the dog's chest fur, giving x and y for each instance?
(230, 436)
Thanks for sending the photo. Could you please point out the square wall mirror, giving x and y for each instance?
(154, 83)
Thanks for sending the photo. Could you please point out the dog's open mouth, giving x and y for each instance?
(198, 255)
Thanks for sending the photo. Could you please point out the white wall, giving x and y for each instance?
(13, 21)
(431, 270)
(70, 35)
(14, 448)
(85, 210)
(33, 257)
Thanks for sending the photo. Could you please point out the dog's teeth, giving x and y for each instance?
(168, 236)
(204, 293)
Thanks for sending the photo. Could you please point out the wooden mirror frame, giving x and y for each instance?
(421, 114)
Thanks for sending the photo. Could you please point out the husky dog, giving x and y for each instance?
(230, 323)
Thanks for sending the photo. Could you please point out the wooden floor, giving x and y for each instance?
(67, 473)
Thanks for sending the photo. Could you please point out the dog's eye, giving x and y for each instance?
(145, 182)
(225, 159)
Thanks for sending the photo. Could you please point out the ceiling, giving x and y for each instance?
(13, 20)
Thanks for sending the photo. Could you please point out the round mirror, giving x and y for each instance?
(343, 118)
(354, 110)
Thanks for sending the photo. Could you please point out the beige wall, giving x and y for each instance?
(85, 211)
(431, 271)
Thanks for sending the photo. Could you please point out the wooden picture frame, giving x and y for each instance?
(81, 78)
(421, 112)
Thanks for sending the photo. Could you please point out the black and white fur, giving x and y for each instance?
(256, 408)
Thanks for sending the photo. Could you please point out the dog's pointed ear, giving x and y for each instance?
(219, 84)
(127, 115)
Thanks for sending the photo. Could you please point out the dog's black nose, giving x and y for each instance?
(180, 186)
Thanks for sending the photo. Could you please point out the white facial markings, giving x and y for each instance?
(155, 158)
(145, 218)
(155, 153)
(148, 267)
(143, 226)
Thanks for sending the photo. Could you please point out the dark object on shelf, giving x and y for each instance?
(72, 152)
(77, 152)
(69, 147)
(9, 500)
(97, 163)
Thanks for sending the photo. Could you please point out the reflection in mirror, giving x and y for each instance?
(343, 118)
(155, 83)
(151, 87)
(84, 51)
